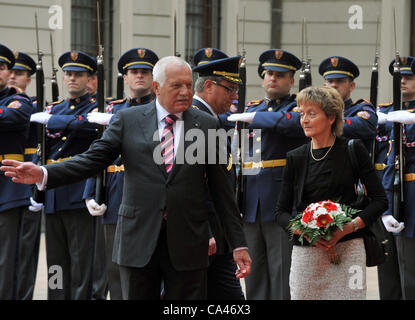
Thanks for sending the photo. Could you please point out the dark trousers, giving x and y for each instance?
(406, 257)
(100, 276)
(388, 273)
(144, 283)
(270, 251)
(9, 247)
(222, 283)
(29, 241)
(69, 254)
(113, 270)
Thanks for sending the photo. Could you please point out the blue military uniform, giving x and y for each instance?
(383, 140)
(275, 130)
(137, 58)
(69, 226)
(405, 240)
(29, 238)
(15, 111)
(360, 119)
(221, 281)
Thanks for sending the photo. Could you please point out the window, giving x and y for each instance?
(203, 18)
(84, 32)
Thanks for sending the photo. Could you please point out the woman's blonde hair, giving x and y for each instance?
(329, 101)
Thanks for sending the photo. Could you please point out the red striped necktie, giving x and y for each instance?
(167, 142)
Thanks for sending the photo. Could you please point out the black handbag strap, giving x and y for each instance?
(352, 155)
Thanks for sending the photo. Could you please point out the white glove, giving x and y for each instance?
(244, 117)
(35, 207)
(40, 117)
(100, 118)
(381, 117)
(391, 224)
(94, 208)
(401, 116)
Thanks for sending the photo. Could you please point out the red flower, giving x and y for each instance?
(330, 206)
(308, 216)
(323, 220)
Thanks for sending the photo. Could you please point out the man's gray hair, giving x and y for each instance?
(200, 82)
(159, 70)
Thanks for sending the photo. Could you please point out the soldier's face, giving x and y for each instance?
(92, 85)
(176, 94)
(408, 87)
(139, 81)
(277, 84)
(344, 86)
(76, 82)
(19, 78)
(4, 75)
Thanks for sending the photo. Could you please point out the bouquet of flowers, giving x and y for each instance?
(319, 220)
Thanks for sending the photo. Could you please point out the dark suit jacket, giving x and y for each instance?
(341, 184)
(148, 190)
(215, 224)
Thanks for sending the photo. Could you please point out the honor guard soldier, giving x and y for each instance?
(404, 231)
(136, 65)
(15, 111)
(388, 272)
(29, 240)
(360, 118)
(69, 226)
(280, 132)
(215, 90)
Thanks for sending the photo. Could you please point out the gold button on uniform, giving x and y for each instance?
(258, 150)
(270, 109)
(63, 138)
(72, 107)
(60, 149)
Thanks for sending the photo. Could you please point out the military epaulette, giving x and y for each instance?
(56, 102)
(361, 101)
(253, 103)
(118, 101)
(196, 107)
(384, 105)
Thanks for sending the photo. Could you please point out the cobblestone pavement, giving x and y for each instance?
(41, 281)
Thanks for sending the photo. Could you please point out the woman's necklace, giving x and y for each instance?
(325, 155)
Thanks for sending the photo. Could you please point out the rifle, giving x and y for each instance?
(241, 125)
(398, 198)
(53, 81)
(305, 72)
(177, 54)
(120, 80)
(39, 196)
(100, 181)
(374, 80)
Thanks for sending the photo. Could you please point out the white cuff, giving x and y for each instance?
(41, 186)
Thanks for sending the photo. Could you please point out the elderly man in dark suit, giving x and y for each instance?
(162, 230)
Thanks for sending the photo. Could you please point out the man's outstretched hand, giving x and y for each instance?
(22, 172)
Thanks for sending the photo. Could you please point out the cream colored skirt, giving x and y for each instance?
(313, 277)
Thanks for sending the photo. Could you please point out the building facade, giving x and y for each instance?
(345, 28)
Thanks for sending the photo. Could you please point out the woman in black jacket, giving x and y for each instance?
(322, 170)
